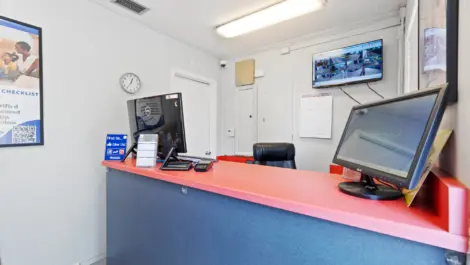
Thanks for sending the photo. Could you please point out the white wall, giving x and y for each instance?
(456, 157)
(313, 154)
(52, 198)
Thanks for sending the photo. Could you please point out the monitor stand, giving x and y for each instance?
(172, 155)
(368, 189)
(132, 149)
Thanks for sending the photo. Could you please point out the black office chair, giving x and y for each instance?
(274, 155)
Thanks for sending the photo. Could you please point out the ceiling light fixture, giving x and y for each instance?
(271, 15)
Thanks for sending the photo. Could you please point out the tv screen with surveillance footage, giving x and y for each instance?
(353, 64)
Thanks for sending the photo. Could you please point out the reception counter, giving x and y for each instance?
(249, 214)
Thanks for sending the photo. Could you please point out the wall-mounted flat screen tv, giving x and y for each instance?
(360, 63)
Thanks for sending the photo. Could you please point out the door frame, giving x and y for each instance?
(179, 73)
(409, 39)
(253, 87)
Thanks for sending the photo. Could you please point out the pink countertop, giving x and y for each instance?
(313, 194)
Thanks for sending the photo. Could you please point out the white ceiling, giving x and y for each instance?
(193, 21)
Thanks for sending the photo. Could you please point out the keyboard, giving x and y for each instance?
(177, 166)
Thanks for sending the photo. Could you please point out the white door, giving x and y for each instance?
(275, 101)
(199, 116)
(246, 126)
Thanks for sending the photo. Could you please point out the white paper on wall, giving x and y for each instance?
(316, 116)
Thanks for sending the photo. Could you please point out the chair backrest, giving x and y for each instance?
(275, 154)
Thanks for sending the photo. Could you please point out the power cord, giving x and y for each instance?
(386, 184)
(374, 91)
(349, 96)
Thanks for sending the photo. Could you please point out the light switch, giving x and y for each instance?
(259, 73)
(231, 132)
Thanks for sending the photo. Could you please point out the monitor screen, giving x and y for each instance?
(162, 115)
(386, 137)
(354, 64)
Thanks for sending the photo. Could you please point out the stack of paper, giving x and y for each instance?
(147, 148)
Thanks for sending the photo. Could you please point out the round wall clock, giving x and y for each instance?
(130, 83)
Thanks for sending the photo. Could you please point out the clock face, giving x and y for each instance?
(130, 83)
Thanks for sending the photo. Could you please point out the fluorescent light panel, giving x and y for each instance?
(274, 14)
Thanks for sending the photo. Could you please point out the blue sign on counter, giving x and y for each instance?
(116, 146)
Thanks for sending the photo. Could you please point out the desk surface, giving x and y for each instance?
(310, 193)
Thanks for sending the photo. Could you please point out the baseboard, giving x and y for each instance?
(101, 262)
(98, 260)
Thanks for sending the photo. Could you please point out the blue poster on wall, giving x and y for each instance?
(116, 146)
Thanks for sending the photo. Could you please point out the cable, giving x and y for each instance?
(386, 184)
(374, 91)
(349, 96)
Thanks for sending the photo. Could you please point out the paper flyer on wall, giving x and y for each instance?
(439, 143)
(20, 84)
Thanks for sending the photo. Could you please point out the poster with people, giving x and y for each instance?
(21, 119)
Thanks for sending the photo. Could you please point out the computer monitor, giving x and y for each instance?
(162, 115)
(390, 141)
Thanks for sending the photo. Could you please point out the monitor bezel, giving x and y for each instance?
(314, 80)
(425, 144)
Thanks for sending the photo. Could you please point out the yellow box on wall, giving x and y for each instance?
(245, 73)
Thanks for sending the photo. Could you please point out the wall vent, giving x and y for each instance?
(131, 6)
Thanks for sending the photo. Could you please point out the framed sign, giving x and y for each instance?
(21, 84)
(439, 44)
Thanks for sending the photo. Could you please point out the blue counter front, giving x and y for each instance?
(151, 222)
